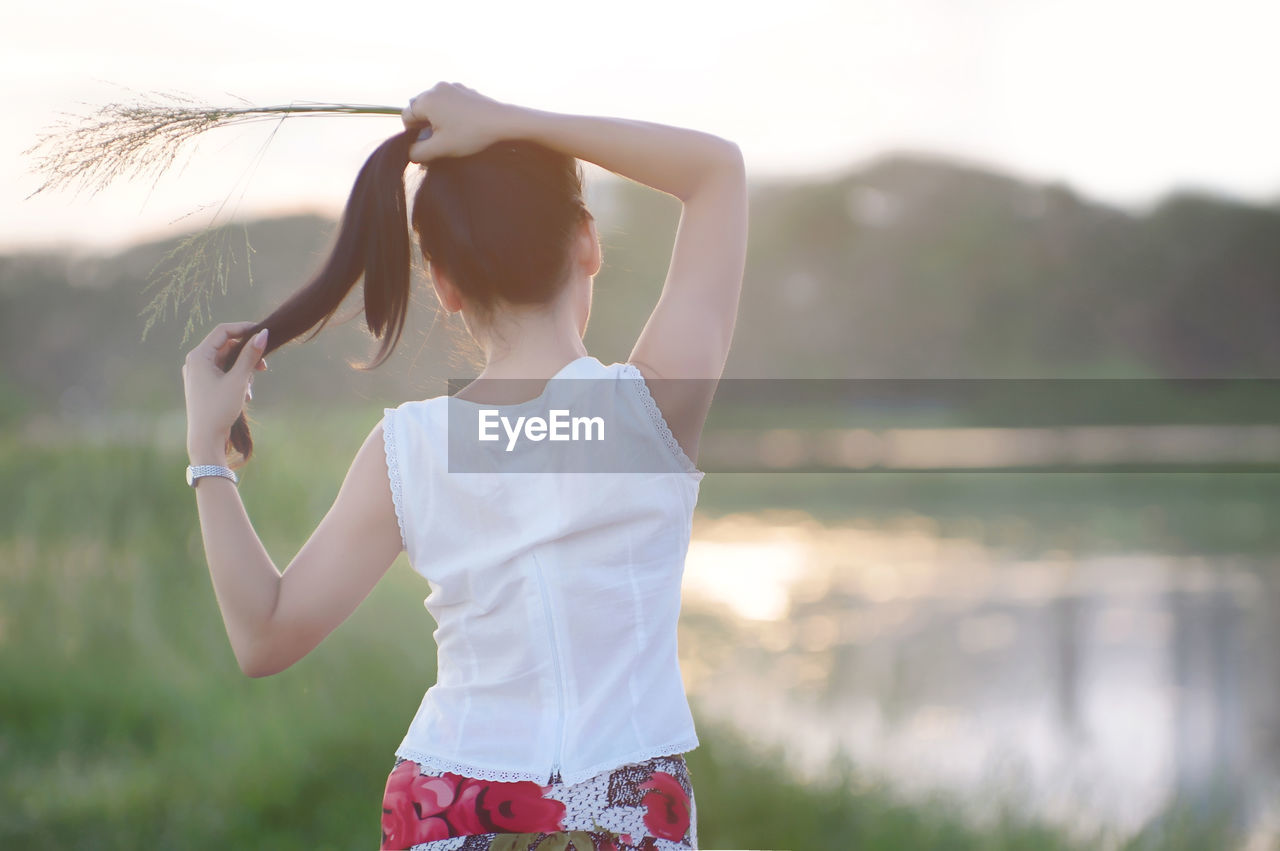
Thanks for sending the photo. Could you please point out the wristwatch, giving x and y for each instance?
(200, 470)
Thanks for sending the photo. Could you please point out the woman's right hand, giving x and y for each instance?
(461, 121)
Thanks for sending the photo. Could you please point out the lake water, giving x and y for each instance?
(1086, 688)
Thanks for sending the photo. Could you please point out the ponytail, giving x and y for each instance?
(373, 242)
(499, 223)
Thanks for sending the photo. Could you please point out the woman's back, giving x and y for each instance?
(555, 580)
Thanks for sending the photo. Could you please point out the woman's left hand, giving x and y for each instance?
(216, 398)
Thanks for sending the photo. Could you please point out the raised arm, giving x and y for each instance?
(688, 334)
(683, 346)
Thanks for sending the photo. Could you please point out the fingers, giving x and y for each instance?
(252, 353)
(224, 332)
(415, 112)
(209, 348)
(425, 148)
(412, 116)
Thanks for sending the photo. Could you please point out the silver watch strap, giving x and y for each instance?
(200, 470)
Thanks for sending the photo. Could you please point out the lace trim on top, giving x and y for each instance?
(438, 765)
(393, 471)
(682, 746)
(660, 422)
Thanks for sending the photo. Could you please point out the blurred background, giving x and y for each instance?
(984, 649)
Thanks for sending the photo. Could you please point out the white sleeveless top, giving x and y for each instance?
(555, 594)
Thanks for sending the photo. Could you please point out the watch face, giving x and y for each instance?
(189, 475)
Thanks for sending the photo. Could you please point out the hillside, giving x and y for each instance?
(908, 266)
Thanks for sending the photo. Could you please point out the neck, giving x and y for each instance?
(532, 341)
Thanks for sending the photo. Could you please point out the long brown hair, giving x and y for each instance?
(498, 223)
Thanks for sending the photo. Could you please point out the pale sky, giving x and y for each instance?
(1122, 99)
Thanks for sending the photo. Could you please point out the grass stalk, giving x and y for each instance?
(130, 140)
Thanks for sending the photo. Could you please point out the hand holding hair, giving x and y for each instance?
(216, 393)
(457, 121)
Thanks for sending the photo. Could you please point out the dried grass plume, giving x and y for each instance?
(131, 140)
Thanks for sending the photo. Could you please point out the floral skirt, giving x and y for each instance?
(645, 805)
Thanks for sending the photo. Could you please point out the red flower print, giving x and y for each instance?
(433, 795)
(430, 829)
(397, 826)
(402, 828)
(464, 813)
(520, 808)
(484, 806)
(399, 793)
(667, 806)
(399, 818)
(422, 808)
(426, 794)
(409, 805)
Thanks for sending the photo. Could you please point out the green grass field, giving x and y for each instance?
(126, 723)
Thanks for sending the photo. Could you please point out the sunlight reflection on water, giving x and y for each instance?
(752, 577)
(1084, 689)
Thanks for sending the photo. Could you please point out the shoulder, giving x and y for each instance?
(621, 370)
(414, 432)
(416, 411)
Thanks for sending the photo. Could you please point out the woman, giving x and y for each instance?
(559, 705)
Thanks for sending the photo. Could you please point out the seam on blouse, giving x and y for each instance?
(393, 471)
(640, 638)
(660, 422)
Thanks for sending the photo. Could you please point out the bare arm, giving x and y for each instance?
(674, 160)
(274, 620)
(460, 121)
(687, 336)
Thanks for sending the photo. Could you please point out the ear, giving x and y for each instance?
(591, 258)
(446, 292)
